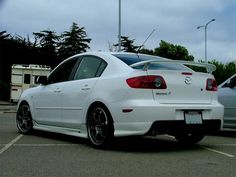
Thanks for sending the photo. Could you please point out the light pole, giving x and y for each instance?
(205, 26)
(119, 28)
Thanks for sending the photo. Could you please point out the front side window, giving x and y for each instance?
(231, 83)
(62, 74)
(90, 67)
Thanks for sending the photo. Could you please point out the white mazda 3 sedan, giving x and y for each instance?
(104, 95)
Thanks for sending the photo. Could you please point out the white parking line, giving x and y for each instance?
(225, 144)
(218, 152)
(7, 146)
(44, 145)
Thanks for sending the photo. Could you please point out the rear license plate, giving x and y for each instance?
(193, 117)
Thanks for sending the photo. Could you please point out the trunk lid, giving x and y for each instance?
(182, 87)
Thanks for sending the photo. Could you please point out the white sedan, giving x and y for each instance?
(227, 97)
(102, 95)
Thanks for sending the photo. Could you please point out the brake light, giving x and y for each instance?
(147, 82)
(211, 85)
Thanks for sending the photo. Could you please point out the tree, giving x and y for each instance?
(175, 52)
(146, 51)
(73, 41)
(3, 35)
(48, 41)
(230, 69)
(223, 71)
(3, 40)
(127, 44)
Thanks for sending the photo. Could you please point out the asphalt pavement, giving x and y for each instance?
(44, 154)
(7, 107)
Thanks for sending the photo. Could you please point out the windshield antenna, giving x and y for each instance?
(146, 40)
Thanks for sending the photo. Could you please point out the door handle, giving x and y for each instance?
(85, 88)
(57, 90)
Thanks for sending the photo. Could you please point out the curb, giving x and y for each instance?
(3, 103)
(7, 107)
(9, 111)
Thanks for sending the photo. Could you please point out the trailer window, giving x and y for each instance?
(35, 79)
(27, 79)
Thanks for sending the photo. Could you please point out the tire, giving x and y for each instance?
(24, 119)
(189, 138)
(100, 127)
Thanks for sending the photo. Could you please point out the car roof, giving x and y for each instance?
(117, 53)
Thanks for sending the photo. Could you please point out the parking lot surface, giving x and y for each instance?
(49, 154)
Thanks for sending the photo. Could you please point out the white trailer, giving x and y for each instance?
(24, 77)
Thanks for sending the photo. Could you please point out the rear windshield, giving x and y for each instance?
(130, 59)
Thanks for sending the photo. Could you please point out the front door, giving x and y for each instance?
(48, 104)
(48, 101)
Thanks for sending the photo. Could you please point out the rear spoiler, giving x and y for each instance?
(209, 67)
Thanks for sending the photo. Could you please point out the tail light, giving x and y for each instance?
(211, 85)
(147, 82)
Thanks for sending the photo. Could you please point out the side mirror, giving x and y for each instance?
(42, 80)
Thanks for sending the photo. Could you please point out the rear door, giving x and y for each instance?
(76, 93)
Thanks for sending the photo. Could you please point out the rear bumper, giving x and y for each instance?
(148, 117)
(176, 127)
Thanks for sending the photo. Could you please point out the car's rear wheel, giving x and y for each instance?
(189, 138)
(100, 126)
(24, 119)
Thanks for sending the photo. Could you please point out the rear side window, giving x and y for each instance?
(90, 67)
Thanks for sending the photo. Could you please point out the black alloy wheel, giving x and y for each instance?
(24, 119)
(100, 127)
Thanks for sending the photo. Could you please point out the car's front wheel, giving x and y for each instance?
(100, 126)
(24, 119)
(189, 138)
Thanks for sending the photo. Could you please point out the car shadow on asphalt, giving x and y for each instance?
(125, 144)
(60, 138)
(150, 144)
(226, 133)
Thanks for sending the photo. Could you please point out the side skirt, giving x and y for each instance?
(81, 132)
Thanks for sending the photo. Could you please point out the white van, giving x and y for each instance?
(24, 77)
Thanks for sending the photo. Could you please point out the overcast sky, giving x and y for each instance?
(175, 21)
